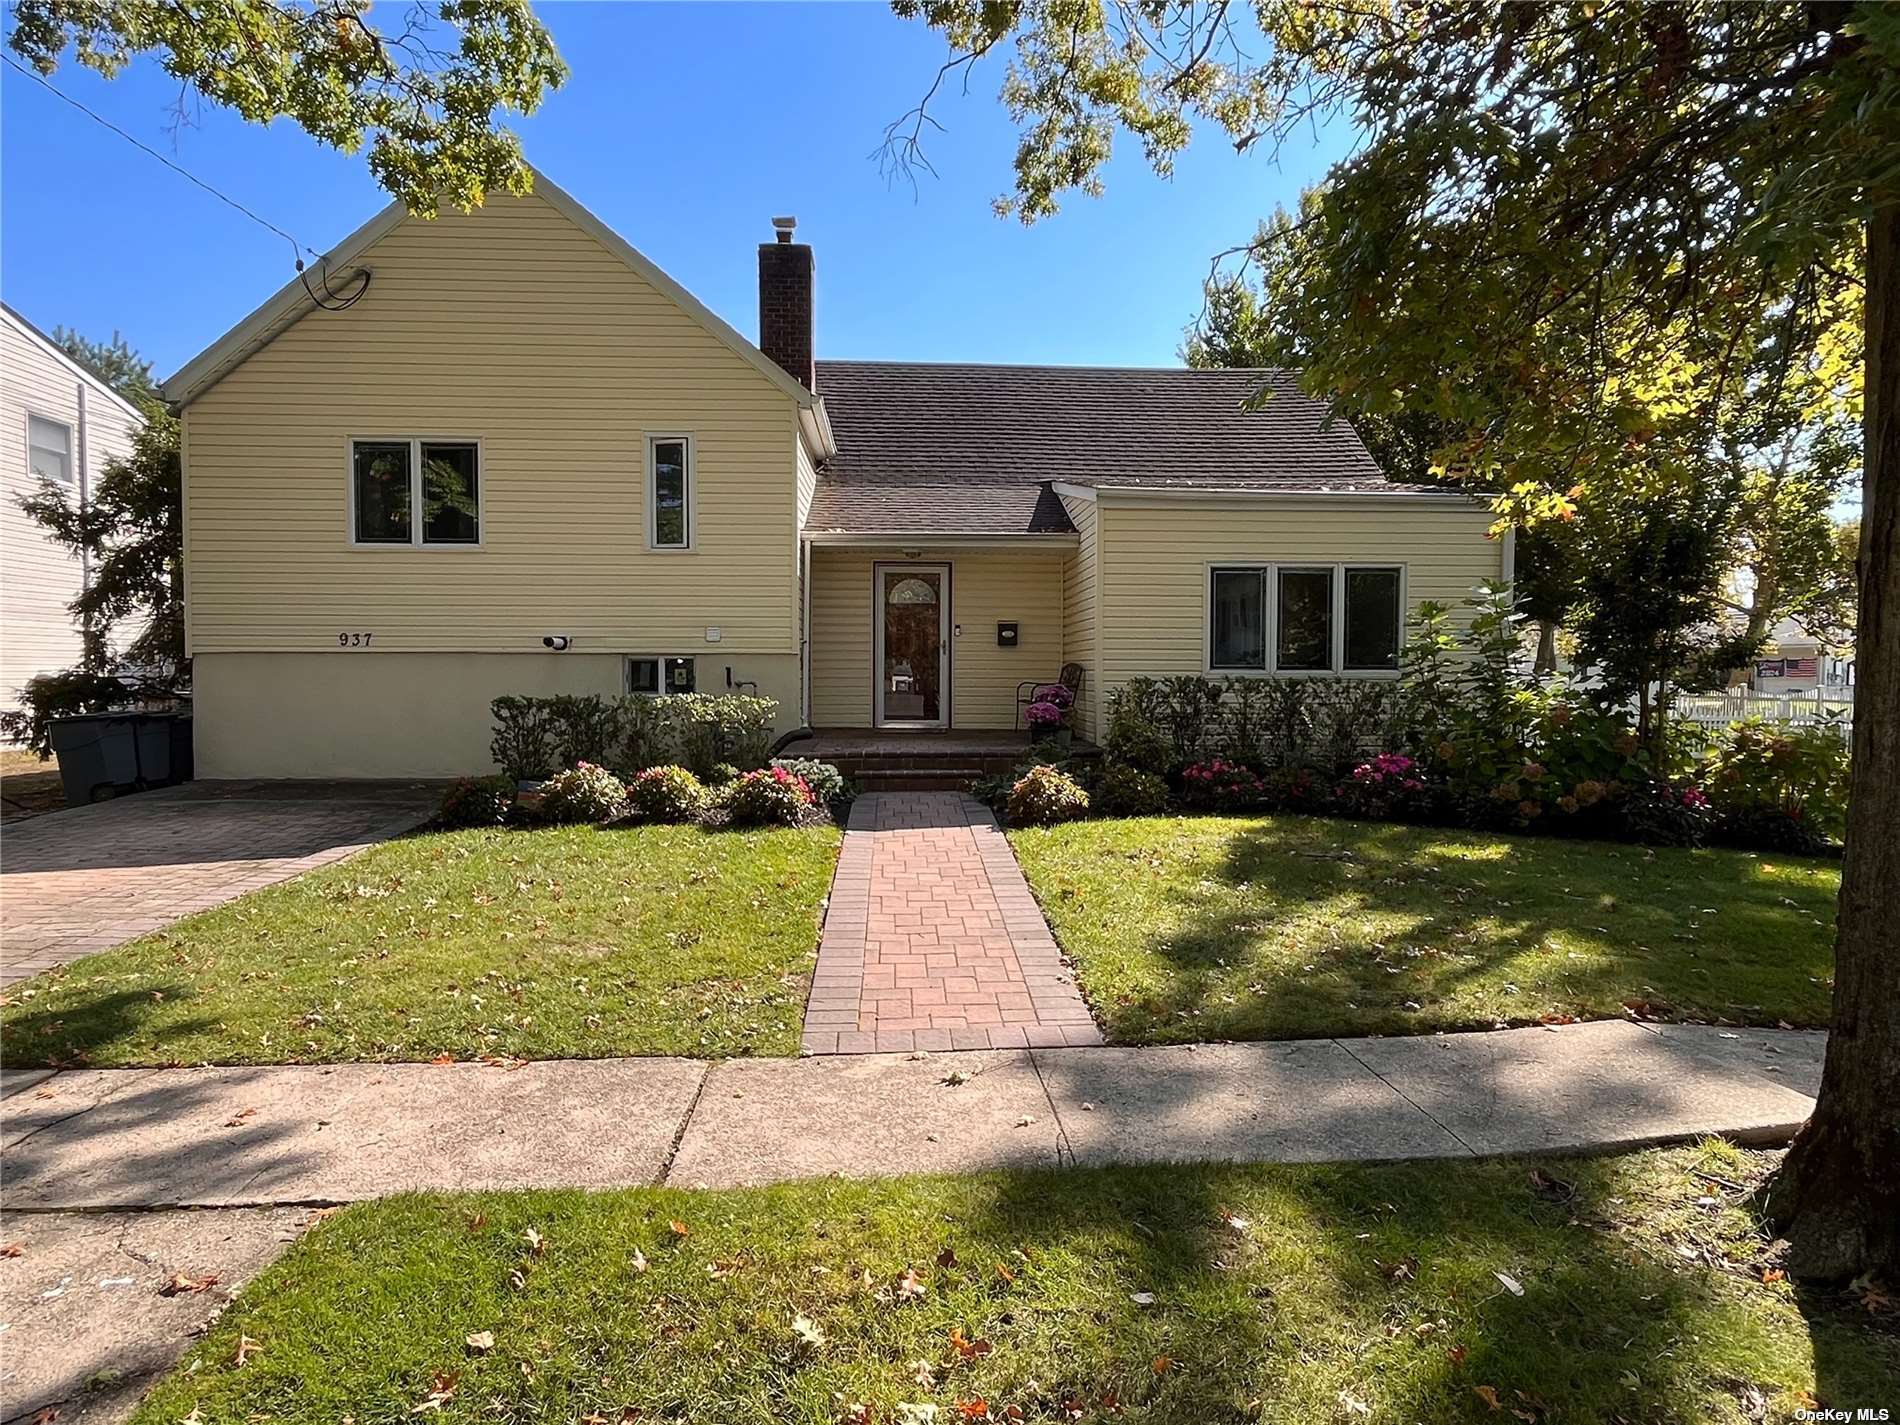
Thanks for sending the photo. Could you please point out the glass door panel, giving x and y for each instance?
(911, 645)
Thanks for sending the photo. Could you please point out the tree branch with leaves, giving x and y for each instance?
(1571, 231)
(425, 97)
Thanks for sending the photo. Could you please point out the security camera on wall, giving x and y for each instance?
(557, 641)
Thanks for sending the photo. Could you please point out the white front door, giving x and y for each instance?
(911, 657)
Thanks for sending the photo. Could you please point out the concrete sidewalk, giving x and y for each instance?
(92, 1159)
(142, 1138)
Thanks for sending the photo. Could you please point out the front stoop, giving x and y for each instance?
(933, 941)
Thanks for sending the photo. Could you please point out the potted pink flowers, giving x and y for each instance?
(1047, 716)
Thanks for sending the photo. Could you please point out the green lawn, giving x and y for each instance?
(1636, 1293)
(565, 943)
(1198, 928)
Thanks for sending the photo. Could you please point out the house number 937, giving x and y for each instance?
(353, 640)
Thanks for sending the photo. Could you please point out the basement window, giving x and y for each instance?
(652, 676)
(415, 491)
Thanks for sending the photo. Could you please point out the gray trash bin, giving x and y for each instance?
(107, 753)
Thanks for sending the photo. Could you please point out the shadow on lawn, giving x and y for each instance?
(1478, 930)
(1386, 1276)
(1367, 1287)
(64, 1035)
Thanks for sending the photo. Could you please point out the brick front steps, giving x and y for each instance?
(885, 761)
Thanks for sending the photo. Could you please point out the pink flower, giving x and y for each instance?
(1693, 797)
(1042, 714)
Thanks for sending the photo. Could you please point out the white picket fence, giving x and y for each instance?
(1718, 710)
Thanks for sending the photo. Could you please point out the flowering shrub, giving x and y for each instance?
(477, 801)
(665, 794)
(1785, 784)
(1389, 784)
(583, 793)
(1294, 789)
(1389, 769)
(1041, 716)
(1665, 815)
(771, 796)
(826, 781)
(1054, 693)
(1220, 785)
(1045, 796)
(1129, 791)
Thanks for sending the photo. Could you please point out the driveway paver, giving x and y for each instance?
(933, 941)
(86, 879)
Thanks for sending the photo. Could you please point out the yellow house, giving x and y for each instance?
(502, 452)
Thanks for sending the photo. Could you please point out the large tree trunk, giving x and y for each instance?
(1837, 1198)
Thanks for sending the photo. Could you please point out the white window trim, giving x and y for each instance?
(72, 449)
(654, 438)
(415, 444)
(1270, 573)
(660, 660)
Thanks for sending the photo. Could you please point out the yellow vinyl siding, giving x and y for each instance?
(514, 327)
(1154, 559)
(986, 588)
(1080, 596)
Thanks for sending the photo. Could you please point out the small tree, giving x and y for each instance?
(1650, 607)
(130, 533)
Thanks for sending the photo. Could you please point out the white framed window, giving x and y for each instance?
(652, 675)
(415, 490)
(49, 450)
(669, 482)
(1306, 620)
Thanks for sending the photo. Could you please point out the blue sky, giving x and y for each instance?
(685, 127)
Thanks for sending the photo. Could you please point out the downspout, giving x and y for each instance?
(84, 454)
(804, 632)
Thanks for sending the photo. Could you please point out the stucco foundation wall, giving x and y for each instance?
(405, 714)
(986, 587)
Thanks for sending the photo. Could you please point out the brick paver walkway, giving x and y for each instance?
(83, 880)
(933, 941)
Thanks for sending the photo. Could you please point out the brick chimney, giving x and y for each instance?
(785, 283)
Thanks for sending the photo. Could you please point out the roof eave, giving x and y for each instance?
(1171, 494)
(939, 539)
(292, 301)
(53, 349)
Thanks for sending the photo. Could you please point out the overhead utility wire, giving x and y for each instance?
(296, 256)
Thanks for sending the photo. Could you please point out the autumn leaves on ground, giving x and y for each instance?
(571, 942)
(1633, 1288)
(584, 942)
(1190, 929)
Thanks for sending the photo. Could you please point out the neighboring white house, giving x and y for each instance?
(61, 423)
(1794, 661)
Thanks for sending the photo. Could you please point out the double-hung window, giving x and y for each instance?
(669, 492)
(414, 490)
(1305, 618)
(49, 450)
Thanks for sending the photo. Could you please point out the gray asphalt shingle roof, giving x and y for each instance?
(925, 448)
